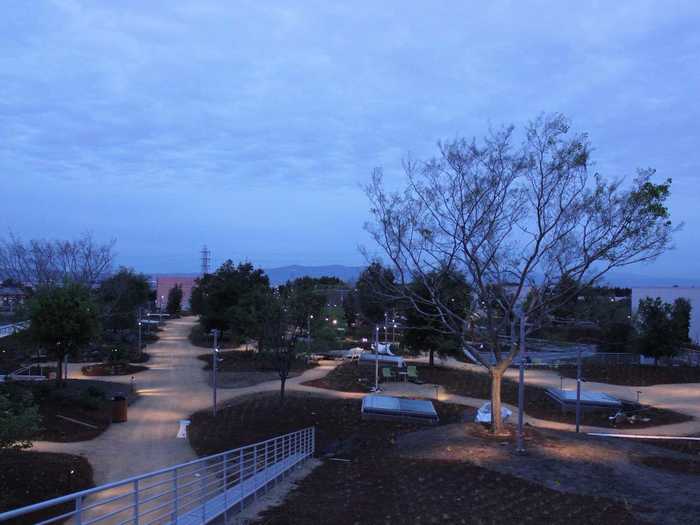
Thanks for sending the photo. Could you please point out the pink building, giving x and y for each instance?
(164, 283)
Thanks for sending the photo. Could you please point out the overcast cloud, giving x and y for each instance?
(250, 126)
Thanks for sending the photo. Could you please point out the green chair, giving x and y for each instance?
(413, 375)
(387, 374)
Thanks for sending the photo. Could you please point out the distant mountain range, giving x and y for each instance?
(350, 274)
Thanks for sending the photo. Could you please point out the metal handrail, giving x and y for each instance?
(212, 485)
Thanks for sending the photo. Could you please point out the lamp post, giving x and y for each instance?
(308, 331)
(214, 363)
(139, 322)
(578, 390)
(376, 359)
(520, 448)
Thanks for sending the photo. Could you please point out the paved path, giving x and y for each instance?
(174, 387)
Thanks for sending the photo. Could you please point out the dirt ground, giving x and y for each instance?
(635, 375)
(29, 477)
(112, 369)
(349, 377)
(88, 401)
(619, 469)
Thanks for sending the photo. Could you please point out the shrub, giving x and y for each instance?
(19, 419)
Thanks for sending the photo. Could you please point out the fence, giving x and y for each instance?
(190, 493)
(10, 329)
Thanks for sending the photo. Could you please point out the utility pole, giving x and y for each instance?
(521, 387)
(214, 363)
(308, 331)
(578, 390)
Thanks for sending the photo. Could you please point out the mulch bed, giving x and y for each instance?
(30, 477)
(350, 377)
(347, 377)
(83, 400)
(675, 465)
(380, 489)
(112, 369)
(250, 361)
(634, 375)
(687, 447)
(338, 422)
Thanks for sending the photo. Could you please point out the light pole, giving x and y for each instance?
(308, 331)
(214, 363)
(139, 321)
(578, 390)
(376, 359)
(521, 386)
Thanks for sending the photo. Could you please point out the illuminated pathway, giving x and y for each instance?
(174, 387)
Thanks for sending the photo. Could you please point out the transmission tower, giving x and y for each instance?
(206, 258)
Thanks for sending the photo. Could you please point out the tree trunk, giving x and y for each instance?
(496, 419)
(431, 360)
(283, 381)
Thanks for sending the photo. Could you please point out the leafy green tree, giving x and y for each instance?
(424, 329)
(63, 320)
(121, 295)
(174, 304)
(372, 290)
(351, 308)
(680, 316)
(19, 419)
(233, 298)
(657, 337)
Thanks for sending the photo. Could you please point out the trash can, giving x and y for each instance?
(119, 409)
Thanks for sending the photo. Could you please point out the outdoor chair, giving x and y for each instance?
(387, 374)
(413, 375)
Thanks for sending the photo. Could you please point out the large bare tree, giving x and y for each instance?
(41, 262)
(516, 221)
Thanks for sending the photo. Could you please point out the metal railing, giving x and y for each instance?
(190, 493)
(10, 329)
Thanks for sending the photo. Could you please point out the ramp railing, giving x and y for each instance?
(195, 492)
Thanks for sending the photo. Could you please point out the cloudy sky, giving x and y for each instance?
(251, 126)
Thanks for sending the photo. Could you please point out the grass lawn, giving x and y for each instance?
(634, 375)
(29, 477)
(354, 378)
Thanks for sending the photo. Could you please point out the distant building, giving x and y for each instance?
(165, 283)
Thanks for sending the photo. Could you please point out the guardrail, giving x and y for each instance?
(10, 329)
(196, 492)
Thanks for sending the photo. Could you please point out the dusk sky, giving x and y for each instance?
(251, 126)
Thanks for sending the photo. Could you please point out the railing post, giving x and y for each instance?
(255, 473)
(226, 488)
(79, 510)
(175, 495)
(267, 473)
(136, 502)
(240, 475)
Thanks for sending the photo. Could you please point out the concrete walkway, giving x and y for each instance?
(174, 387)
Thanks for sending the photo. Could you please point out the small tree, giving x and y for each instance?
(121, 295)
(174, 305)
(63, 319)
(516, 221)
(680, 316)
(281, 331)
(19, 419)
(657, 337)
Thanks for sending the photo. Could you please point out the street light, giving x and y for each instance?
(376, 360)
(139, 322)
(214, 363)
(308, 331)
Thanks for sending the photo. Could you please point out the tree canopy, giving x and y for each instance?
(120, 296)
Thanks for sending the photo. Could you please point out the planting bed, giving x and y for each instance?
(112, 369)
(338, 422)
(634, 375)
(30, 477)
(82, 400)
(242, 361)
(348, 376)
